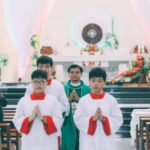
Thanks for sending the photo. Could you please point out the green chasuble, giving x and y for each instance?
(70, 134)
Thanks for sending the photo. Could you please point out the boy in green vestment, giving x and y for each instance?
(75, 89)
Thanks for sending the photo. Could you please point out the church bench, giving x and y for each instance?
(147, 135)
(141, 134)
(5, 136)
(9, 113)
(10, 137)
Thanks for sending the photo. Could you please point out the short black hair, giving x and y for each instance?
(97, 72)
(39, 74)
(75, 66)
(45, 60)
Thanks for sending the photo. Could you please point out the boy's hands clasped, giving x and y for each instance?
(98, 115)
(36, 113)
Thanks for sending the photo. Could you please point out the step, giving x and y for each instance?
(126, 89)
(131, 95)
(133, 100)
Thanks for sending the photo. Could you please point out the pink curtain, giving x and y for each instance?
(142, 12)
(23, 19)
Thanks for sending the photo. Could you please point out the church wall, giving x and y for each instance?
(57, 33)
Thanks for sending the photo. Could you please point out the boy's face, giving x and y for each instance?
(75, 74)
(39, 85)
(97, 84)
(46, 67)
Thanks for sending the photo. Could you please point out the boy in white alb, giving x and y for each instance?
(97, 115)
(38, 116)
(53, 87)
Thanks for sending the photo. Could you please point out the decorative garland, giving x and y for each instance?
(134, 73)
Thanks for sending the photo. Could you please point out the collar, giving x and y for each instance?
(97, 96)
(75, 87)
(35, 96)
(49, 81)
(75, 84)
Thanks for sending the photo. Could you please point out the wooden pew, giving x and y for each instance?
(5, 136)
(9, 113)
(147, 135)
(141, 133)
(9, 136)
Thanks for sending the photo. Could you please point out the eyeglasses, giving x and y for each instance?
(41, 82)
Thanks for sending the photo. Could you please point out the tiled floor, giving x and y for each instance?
(124, 144)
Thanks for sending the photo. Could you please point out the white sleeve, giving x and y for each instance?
(81, 118)
(115, 118)
(63, 99)
(57, 115)
(29, 90)
(19, 115)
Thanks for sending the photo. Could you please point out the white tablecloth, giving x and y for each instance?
(136, 114)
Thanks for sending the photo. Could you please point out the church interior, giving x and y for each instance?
(110, 34)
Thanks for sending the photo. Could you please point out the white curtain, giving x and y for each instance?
(23, 19)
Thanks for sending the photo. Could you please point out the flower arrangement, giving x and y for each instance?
(3, 60)
(47, 50)
(133, 74)
(34, 58)
(91, 49)
(35, 41)
(111, 41)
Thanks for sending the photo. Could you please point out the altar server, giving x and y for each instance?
(53, 87)
(38, 116)
(97, 116)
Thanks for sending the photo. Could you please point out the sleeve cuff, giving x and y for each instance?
(106, 126)
(26, 126)
(49, 125)
(92, 126)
